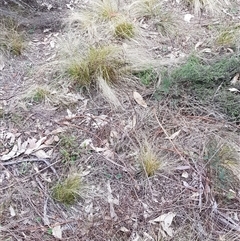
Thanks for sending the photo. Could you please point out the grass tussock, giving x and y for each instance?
(124, 30)
(149, 161)
(163, 20)
(210, 6)
(222, 162)
(229, 37)
(146, 8)
(96, 20)
(102, 62)
(11, 40)
(68, 190)
(105, 9)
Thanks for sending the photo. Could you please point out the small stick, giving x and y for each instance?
(168, 137)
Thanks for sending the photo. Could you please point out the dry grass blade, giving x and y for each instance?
(108, 92)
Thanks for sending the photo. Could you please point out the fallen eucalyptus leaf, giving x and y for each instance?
(139, 99)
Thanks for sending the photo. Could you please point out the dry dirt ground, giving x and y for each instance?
(68, 130)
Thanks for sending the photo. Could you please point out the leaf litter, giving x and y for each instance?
(119, 202)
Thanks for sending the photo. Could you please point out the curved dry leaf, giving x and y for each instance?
(57, 232)
(35, 145)
(41, 154)
(165, 221)
(233, 90)
(12, 211)
(235, 79)
(11, 154)
(139, 99)
(173, 135)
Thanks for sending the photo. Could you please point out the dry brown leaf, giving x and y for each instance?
(139, 99)
(108, 153)
(57, 131)
(2, 64)
(198, 44)
(185, 174)
(188, 17)
(50, 140)
(125, 230)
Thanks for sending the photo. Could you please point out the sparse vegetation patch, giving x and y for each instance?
(209, 82)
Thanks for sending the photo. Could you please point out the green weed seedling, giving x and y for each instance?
(202, 79)
(40, 95)
(147, 77)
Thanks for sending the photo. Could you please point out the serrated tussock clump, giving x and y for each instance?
(149, 161)
(124, 30)
(211, 6)
(10, 39)
(69, 190)
(222, 162)
(102, 62)
(146, 8)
